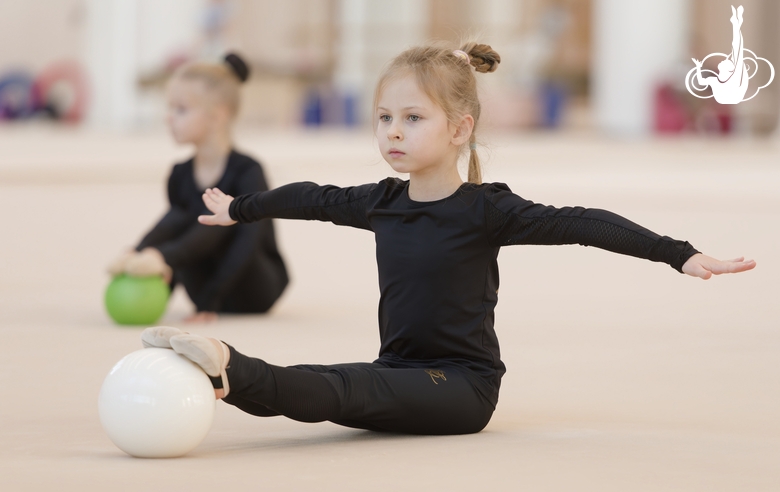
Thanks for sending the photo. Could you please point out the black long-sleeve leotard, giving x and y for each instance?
(438, 269)
(222, 270)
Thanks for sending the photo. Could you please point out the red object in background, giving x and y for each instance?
(671, 115)
(725, 119)
(47, 91)
(716, 118)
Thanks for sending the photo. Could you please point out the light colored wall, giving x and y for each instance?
(34, 33)
(636, 45)
(110, 57)
(166, 28)
(370, 34)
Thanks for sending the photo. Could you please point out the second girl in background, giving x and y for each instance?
(236, 270)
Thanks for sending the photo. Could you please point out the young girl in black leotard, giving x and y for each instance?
(223, 270)
(437, 241)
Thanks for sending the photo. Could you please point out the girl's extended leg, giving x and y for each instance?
(363, 395)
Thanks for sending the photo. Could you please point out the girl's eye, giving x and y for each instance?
(414, 117)
(384, 117)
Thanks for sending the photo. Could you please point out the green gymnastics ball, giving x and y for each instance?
(136, 300)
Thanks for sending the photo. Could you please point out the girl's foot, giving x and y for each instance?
(210, 354)
(159, 336)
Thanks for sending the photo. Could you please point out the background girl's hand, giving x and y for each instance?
(704, 266)
(147, 263)
(219, 204)
(117, 267)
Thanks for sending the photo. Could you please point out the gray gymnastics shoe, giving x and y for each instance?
(159, 336)
(210, 354)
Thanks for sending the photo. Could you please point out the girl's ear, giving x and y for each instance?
(463, 130)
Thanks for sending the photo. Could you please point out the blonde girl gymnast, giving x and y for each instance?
(437, 242)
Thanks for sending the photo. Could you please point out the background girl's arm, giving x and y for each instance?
(514, 220)
(171, 225)
(174, 222)
(175, 241)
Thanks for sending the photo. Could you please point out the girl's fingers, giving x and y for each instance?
(212, 202)
(733, 266)
(215, 195)
(704, 267)
(206, 219)
(742, 266)
(209, 203)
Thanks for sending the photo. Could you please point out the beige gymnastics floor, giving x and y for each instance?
(623, 375)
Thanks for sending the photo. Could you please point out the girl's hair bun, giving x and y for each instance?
(483, 57)
(238, 65)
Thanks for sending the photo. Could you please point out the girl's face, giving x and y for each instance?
(190, 111)
(413, 132)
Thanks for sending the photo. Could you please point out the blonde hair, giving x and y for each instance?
(223, 80)
(446, 76)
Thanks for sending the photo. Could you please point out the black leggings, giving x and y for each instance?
(372, 396)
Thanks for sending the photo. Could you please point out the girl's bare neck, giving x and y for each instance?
(211, 157)
(432, 186)
(213, 152)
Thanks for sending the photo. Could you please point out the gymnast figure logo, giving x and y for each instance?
(730, 85)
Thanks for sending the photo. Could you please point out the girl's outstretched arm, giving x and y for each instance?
(219, 204)
(305, 200)
(514, 220)
(704, 266)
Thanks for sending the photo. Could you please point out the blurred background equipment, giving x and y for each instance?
(616, 66)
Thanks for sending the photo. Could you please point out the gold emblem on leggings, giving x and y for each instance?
(435, 373)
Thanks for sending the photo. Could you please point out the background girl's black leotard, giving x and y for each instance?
(223, 269)
(439, 365)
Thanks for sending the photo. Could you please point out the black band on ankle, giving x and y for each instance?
(216, 382)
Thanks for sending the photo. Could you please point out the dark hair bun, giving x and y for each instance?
(483, 58)
(238, 65)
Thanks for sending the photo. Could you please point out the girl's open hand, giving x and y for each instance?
(219, 204)
(704, 266)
